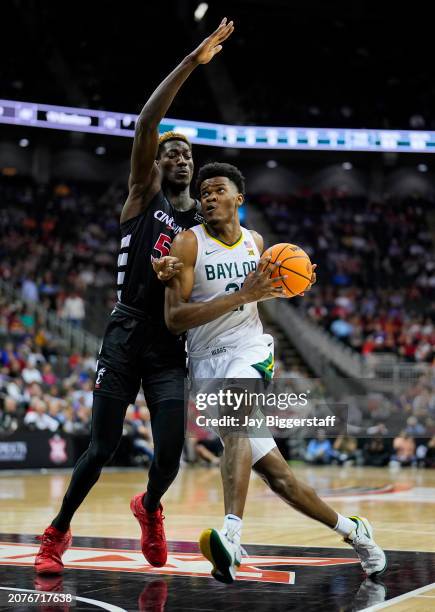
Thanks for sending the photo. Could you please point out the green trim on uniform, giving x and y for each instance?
(265, 367)
(224, 244)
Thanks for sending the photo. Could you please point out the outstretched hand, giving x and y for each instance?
(212, 45)
(166, 267)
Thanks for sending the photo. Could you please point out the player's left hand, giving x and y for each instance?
(213, 43)
(166, 267)
(313, 278)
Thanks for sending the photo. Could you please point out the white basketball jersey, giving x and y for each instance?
(221, 269)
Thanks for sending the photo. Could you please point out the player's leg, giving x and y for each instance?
(107, 421)
(275, 471)
(116, 385)
(164, 392)
(167, 425)
(222, 547)
(236, 470)
(108, 415)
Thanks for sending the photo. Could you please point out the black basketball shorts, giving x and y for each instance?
(134, 352)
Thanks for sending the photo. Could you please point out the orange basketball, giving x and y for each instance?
(295, 263)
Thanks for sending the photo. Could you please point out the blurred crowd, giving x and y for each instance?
(375, 293)
(395, 429)
(57, 242)
(376, 289)
(376, 274)
(42, 389)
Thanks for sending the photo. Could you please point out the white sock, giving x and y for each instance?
(344, 525)
(233, 527)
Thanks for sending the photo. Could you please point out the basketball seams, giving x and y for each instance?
(288, 288)
(277, 257)
(281, 270)
(294, 272)
(294, 257)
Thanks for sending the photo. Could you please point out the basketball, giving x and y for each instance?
(295, 264)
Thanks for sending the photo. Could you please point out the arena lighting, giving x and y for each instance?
(100, 150)
(346, 166)
(23, 142)
(220, 135)
(200, 11)
(422, 168)
(271, 163)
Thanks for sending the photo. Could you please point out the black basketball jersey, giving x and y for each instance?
(148, 236)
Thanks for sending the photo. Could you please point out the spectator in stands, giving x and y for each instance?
(37, 417)
(9, 416)
(414, 427)
(208, 448)
(82, 420)
(83, 395)
(29, 289)
(48, 290)
(31, 374)
(404, 450)
(138, 426)
(73, 309)
(319, 449)
(345, 450)
(55, 410)
(48, 376)
(342, 329)
(376, 452)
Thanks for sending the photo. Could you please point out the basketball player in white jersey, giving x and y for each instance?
(214, 296)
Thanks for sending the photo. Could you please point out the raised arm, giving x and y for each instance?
(181, 315)
(144, 179)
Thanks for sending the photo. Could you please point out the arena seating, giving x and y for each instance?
(376, 282)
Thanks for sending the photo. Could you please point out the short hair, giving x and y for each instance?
(221, 169)
(167, 136)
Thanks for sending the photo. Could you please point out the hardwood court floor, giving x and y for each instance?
(400, 504)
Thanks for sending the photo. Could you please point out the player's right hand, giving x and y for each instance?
(166, 267)
(258, 285)
(211, 45)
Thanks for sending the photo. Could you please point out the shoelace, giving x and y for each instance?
(243, 552)
(156, 524)
(46, 539)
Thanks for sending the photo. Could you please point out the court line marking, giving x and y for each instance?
(95, 602)
(399, 598)
(345, 547)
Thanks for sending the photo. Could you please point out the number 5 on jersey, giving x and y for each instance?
(163, 245)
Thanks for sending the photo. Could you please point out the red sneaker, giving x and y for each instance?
(153, 540)
(53, 544)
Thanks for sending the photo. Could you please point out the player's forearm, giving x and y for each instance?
(159, 102)
(186, 315)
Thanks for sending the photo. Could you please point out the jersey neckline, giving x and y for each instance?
(224, 244)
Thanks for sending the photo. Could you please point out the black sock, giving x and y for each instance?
(150, 502)
(60, 525)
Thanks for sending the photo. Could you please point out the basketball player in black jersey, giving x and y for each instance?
(137, 347)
